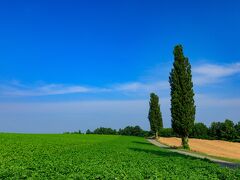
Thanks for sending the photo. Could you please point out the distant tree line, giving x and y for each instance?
(103, 130)
(74, 132)
(226, 130)
(127, 131)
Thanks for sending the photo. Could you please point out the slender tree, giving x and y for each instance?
(155, 115)
(182, 96)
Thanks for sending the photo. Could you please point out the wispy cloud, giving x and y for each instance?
(143, 87)
(212, 73)
(17, 89)
(204, 74)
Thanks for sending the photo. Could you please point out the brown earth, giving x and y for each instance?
(211, 147)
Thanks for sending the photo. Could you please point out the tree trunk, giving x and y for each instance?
(156, 135)
(185, 143)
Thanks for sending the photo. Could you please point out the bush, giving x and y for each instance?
(127, 131)
(200, 131)
(237, 129)
(103, 130)
(215, 130)
(167, 132)
(225, 130)
(228, 131)
(132, 131)
(88, 131)
(74, 132)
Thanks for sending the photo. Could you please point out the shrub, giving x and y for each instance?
(88, 131)
(237, 128)
(228, 131)
(224, 130)
(132, 131)
(199, 130)
(103, 130)
(215, 130)
(167, 132)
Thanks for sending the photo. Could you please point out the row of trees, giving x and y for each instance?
(127, 131)
(226, 130)
(102, 130)
(182, 100)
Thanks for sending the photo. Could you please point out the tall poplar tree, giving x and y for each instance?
(155, 115)
(182, 96)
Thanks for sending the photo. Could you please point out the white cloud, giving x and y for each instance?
(18, 89)
(202, 75)
(143, 87)
(212, 73)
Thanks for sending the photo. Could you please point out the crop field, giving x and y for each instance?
(211, 147)
(98, 157)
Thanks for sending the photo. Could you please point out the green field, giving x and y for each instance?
(98, 157)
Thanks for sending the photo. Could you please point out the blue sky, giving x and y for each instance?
(69, 65)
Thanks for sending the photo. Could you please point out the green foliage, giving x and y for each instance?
(215, 130)
(224, 130)
(167, 132)
(237, 128)
(88, 131)
(74, 132)
(127, 131)
(103, 130)
(199, 130)
(132, 131)
(182, 95)
(228, 131)
(155, 115)
(75, 156)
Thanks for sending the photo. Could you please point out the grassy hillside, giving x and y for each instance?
(98, 157)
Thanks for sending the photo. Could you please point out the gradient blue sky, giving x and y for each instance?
(69, 65)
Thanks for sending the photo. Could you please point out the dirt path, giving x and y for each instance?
(221, 162)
